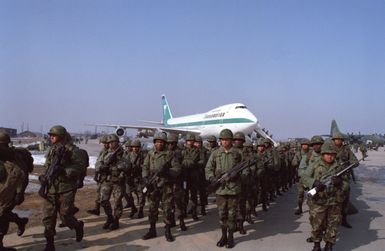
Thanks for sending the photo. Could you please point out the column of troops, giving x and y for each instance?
(178, 178)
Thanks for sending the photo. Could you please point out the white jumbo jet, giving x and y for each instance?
(235, 117)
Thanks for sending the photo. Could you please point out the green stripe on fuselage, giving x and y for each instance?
(212, 122)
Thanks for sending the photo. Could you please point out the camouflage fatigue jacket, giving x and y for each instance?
(155, 160)
(71, 162)
(331, 195)
(118, 165)
(221, 161)
(308, 161)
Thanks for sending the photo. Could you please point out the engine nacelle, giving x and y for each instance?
(119, 131)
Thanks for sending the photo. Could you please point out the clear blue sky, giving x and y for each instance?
(295, 64)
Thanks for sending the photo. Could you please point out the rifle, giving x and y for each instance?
(152, 180)
(327, 179)
(232, 173)
(52, 173)
(104, 168)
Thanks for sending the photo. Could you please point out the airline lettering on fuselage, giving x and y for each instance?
(214, 115)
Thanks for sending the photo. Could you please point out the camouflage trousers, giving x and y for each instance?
(325, 221)
(245, 201)
(227, 209)
(116, 190)
(178, 201)
(98, 186)
(164, 194)
(136, 187)
(58, 203)
(301, 192)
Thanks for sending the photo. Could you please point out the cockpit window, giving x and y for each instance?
(241, 107)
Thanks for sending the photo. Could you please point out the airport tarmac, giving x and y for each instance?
(275, 230)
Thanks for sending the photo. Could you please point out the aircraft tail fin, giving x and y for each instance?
(166, 110)
(334, 128)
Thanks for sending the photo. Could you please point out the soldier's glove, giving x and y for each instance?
(19, 198)
(213, 180)
(319, 185)
(336, 181)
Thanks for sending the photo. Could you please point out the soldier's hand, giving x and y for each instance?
(336, 181)
(19, 198)
(319, 185)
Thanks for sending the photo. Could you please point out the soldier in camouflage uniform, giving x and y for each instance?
(190, 168)
(344, 157)
(23, 159)
(213, 144)
(246, 181)
(363, 151)
(165, 166)
(60, 194)
(227, 195)
(12, 185)
(273, 168)
(284, 168)
(135, 180)
(179, 206)
(295, 163)
(261, 172)
(201, 164)
(103, 152)
(113, 169)
(325, 206)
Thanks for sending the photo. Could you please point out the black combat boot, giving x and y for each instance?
(49, 246)
(240, 228)
(108, 222)
(223, 240)
(2, 248)
(264, 207)
(21, 226)
(79, 229)
(140, 214)
(299, 210)
(203, 210)
(96, 210)
(345, 222)
(328, 246)
(309, 240)
(230, 240)
(317, 246)
(195, 216)
(133, 211)
(115, 224)
(167, 233)
(182, 225)
(151, 232)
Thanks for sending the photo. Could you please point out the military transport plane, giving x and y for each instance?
(235, 117)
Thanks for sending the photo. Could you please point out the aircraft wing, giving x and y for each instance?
(179, 130)
(125, 126)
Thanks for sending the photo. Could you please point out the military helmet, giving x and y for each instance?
(58, 130)
(267, 141)
(240, 135)
(260, 142)
(305, 142)
(103, 139)
(190, 136)
(161, 136)
(226, 134)
(127, 143)
(198, 138)
(316, 140)
(112, 138)
(212, 138)
(4, 138)
(247, 144)
(338, 135)
(172, 137)
(135, 142)
(328, 147)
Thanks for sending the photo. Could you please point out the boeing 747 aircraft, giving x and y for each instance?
(235, 117)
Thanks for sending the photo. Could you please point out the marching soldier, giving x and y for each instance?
(103, 152)
(213, 144)
(201, 184)
(325, 206)
(113, 169)
(345, 157)
(296, 162)
(227, 195)
(263, 163)
(164, 167)
(64, 162)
